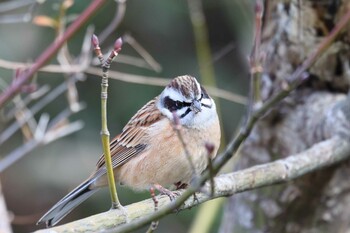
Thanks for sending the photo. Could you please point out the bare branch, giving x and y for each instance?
(125, 77)
(27, 100)
(143, 52)
(63, 131)
(321, 155)
(118, 17)
(43, 136)
(15, 87)
(6, 134)
(157, 81)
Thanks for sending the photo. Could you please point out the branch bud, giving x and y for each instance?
(118, 45)
(94, 41)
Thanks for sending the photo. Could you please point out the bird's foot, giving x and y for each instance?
(172, 195)
(195, 199)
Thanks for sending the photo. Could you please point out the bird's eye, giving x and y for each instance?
(179, 104)
(201, 97)
(204, 93)
(205, 99)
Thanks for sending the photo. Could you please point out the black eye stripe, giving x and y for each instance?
(173, 105)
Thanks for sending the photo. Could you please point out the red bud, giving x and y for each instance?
(94, 41)
(118, 44)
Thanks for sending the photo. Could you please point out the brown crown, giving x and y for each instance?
(186, 84)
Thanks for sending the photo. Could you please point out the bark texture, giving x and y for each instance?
(318, 110)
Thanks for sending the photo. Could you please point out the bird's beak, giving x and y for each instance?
(196, 106)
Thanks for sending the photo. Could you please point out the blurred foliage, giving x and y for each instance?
(37, 181)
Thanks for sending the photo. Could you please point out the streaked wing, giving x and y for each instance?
(133, 139)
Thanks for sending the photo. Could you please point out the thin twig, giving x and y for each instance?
(143, 52)
(65, 114)
(6, 134)
(26, 101)
(125, 77)
(42, 136)
(223, 51)
(60, 132)
(200, 31)
(15, 87)
(29, 146)
(210, 150)
(129, 60)
(118, 17)
(23, 111)
(105, 136)
(42, 127)
(177, 129)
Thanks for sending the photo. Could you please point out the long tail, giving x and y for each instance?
(68, 203)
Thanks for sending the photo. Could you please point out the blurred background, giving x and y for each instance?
(163, 28)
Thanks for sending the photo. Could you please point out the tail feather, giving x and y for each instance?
(68, 203)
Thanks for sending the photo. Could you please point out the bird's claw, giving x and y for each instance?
(171, 194)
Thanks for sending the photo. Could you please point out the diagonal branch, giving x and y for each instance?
(321, 155)
(15, 87)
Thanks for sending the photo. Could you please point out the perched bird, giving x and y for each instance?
(149, 152)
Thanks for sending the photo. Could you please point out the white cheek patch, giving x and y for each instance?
(207, 102)
(181, 111)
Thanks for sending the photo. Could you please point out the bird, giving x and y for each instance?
(163, 144)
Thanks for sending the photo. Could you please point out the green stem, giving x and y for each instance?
(202, 42)
(105, 142)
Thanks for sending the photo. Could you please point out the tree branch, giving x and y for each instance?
(321, 155)
(123, 77)
(15, 87)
